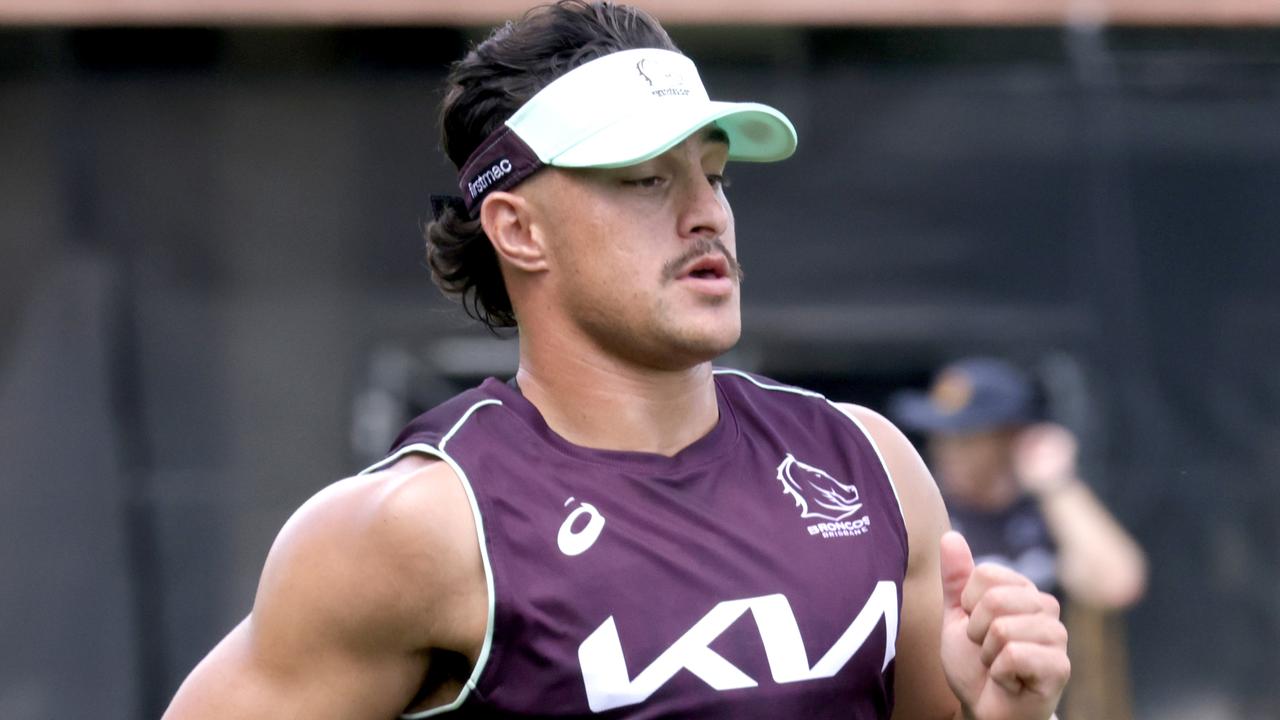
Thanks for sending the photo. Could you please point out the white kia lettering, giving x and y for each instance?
(604, 668)
(575, 543)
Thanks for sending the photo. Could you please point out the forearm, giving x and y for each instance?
(1099, 562)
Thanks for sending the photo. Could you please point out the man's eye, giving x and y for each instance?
(645, 182)
(718, 181)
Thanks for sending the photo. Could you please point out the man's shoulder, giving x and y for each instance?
(431, 427)
(876, 426)
(416, 503)
(360, 541)
(755, 386)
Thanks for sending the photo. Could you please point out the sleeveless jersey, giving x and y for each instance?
(755, 574)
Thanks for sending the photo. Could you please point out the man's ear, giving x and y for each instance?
(507, 219)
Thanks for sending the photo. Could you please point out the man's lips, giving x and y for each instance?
(707, 260)
(707, 267)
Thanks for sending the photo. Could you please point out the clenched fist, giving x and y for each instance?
(1004, 649)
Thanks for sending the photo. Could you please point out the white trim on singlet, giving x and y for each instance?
(819, 396)
(874, 446)
(781, 388)
(439, 452)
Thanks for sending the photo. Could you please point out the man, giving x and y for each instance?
(620, 529)
(1012, 486)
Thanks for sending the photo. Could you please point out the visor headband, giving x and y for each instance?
(501, 162)
(572, 108)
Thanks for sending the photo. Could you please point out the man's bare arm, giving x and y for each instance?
(989, 638)
(920, 687)
(362, 583)
(1099, 562)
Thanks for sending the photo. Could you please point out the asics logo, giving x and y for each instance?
(575, 542)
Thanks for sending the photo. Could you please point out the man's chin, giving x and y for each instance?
(703, 347)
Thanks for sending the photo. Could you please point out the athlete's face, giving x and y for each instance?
(643, 257)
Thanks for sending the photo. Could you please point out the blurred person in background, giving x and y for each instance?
(1012, 486)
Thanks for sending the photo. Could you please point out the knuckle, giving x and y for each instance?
(999, 630)
(985, 570)
(1014, 653)
(981, 575)
(1060, 637)
(1050, 604)
(990, 573)
(1004, 598)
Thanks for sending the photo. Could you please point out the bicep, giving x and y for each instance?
(243, 679)
(329, 636)
(234, 682)
(920, 687)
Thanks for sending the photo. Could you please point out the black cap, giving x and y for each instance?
(969, 395)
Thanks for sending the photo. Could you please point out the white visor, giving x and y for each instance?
(627, 107)
(617, 110)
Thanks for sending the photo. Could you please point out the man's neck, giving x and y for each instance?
(604, 403)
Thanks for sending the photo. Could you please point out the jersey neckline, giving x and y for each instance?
(710, 447)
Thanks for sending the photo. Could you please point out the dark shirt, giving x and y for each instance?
(1016, 537)
(755, 574)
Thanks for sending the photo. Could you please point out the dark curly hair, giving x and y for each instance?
(484, 89)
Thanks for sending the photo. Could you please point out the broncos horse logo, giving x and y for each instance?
(817, 494)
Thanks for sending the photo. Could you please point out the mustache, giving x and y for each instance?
(702, 246)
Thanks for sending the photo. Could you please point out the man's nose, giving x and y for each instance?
(705, 212)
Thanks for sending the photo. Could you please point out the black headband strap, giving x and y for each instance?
(501, 162)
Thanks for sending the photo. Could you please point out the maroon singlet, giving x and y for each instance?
(755, 574)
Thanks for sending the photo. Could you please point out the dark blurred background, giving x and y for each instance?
(214, 301)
